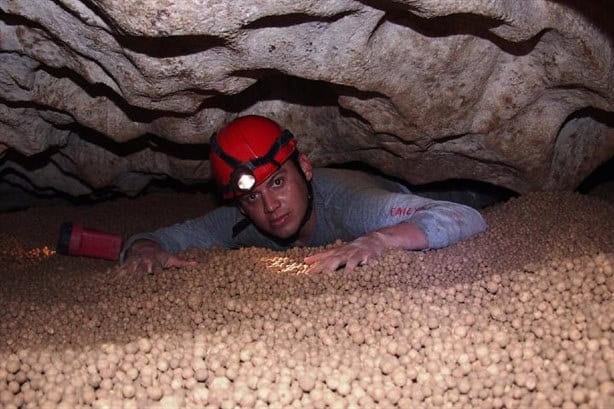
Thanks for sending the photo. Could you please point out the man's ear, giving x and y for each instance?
(241, 210)
(237, 203)
(306, 166)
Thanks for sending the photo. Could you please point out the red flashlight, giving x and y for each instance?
(76, 240)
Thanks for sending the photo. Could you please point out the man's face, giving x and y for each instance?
(277, 205)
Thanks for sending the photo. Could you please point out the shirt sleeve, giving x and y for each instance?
(369, 208)
(445, 223)
(214, 228)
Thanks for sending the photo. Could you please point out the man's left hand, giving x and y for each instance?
(368, 247)
(357, 252)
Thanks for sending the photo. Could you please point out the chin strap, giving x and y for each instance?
(240, 226)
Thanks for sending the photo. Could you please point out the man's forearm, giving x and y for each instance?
(446, 223)
(405, 235)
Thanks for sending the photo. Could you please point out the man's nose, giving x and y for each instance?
(270, 202)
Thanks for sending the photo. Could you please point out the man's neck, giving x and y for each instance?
(306, 232)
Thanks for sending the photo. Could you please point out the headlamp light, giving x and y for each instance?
(243, 179)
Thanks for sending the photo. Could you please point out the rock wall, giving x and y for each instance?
(108, 95)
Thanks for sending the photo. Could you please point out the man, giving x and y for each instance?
(277, 200)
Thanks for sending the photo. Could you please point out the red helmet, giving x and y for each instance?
(247, 151)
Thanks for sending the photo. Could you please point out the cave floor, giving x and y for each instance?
(519, 316)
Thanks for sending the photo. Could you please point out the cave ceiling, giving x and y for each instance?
(110, 95)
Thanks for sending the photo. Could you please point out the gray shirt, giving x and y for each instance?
(347, 204)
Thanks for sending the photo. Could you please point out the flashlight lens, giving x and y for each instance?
(246, 182)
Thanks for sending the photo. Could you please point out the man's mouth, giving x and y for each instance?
(279, 221)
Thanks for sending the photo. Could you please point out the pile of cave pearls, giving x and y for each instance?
(520, 316)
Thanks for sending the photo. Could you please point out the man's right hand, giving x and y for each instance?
(145, 256)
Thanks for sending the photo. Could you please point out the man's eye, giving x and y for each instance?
(250, 198)
(278, 181)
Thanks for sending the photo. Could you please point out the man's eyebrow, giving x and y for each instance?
(278, 172)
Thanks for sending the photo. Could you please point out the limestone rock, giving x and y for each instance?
(111, 94)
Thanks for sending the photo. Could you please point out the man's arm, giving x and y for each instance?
(373, 218)
(149, 252)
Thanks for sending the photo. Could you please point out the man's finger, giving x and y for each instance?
(351, 263)
(316, 257)
(188, 263)
(325, 255)
(179, 262)
(316, 267)
(335, 263)
(354, 259)
(118, 274)
(124, 271)
(142, 265)
(329, 264)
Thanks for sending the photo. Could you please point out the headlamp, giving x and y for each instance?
(243, 179)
